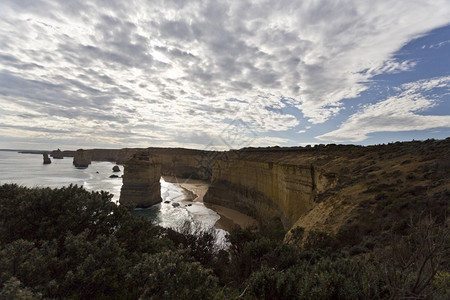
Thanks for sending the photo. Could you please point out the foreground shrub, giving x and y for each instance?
(172, 275)
(70, 243)
(327, 279)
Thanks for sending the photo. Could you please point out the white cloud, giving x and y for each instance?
(396, 113)
(154, 70)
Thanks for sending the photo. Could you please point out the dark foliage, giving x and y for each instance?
(70, 243)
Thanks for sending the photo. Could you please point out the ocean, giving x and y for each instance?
(28, 170)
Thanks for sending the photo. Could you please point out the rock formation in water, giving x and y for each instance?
(141, 181)
(57, 154)
(116, 169)
(82, 159)
(46, 159)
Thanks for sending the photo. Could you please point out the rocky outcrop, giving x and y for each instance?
(82, 159)
(141, 186)
(116, 169)
(46, 159)
(57, 154)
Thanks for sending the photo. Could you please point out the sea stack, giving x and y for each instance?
(46, 159)
(57, 154)
(82, 159)
(141, 187)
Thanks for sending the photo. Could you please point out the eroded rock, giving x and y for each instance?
(141, 186)
(82, 159)
(47, 159)
(57, 154)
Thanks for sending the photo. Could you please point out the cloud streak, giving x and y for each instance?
(397, 113)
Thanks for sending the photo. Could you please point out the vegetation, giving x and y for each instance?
(70, 243)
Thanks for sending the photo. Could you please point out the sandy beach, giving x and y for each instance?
(230, 218)
(196, 190)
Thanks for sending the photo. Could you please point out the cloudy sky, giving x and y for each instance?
(222, 74)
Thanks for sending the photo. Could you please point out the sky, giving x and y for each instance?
(222, 74)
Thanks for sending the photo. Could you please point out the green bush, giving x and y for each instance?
(326, 279)
(172, 275)
(70, 243)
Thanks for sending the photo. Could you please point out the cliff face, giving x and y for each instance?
(141, 186)
(337, 189)
(179, 162)
(267, 189)
(185, 163)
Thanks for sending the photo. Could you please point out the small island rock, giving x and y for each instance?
(57, 154)
(116, 169)
(46, 159)
(82, 159)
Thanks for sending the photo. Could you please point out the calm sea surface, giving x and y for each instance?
(29, 170)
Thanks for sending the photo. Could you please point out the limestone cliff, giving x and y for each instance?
(68, 153)
(185, 163)
(266, 188)
(82, 159)
(179, 162)
(141, 186)
(334, 188)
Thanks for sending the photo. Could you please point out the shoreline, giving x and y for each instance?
(195, 190)
(230, 218)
